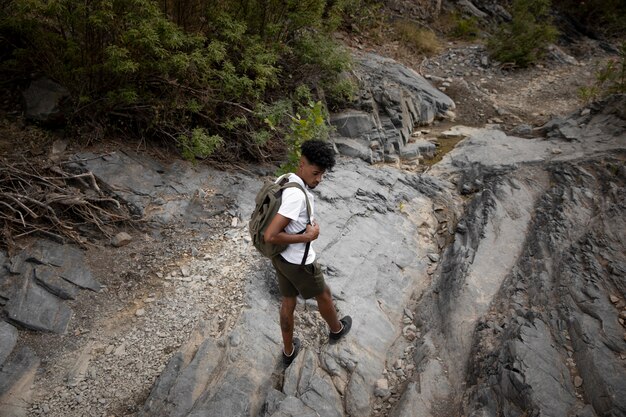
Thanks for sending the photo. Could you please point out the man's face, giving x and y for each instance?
(311, 174)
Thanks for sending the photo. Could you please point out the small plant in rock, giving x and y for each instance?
(459, 26)
(609, 79)
(308, 123)
(523, 40)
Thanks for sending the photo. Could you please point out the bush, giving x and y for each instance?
(605, 16)
(465, 27)
(610, 79)
(308, 122)
(523, 40)
(194, 79)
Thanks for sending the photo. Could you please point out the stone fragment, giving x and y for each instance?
(382, 388)
(121, 239)
(434, 257)
(35, 308)
(48, 277)
(614, 298)
(578, 381)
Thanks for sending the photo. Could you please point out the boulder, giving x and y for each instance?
(35, 308)
(44, 101)
(393, 100)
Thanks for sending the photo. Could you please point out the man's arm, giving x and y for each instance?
(275, 232)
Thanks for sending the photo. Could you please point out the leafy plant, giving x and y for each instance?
(600, 16)
(178, 69)
(609, 79)
(308, 123)
(524, 40)
(465, 27)
(198, 144)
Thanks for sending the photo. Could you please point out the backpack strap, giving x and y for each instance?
(284, 183)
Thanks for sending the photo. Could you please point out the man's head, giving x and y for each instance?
(317, 157)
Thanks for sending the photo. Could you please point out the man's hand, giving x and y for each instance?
(312, 231)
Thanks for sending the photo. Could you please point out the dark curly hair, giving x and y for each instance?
(319, 152)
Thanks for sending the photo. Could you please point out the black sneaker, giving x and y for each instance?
(296, 348)
(335, 337)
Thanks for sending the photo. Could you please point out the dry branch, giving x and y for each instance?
(40, 197)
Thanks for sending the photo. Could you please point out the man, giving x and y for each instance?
(297, 275)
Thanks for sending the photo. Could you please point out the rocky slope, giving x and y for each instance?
(490, 285)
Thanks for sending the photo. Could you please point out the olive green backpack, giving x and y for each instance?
(268, 201)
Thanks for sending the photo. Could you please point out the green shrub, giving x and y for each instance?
(464, 27)
(198, 144)
(523, 40)
(604, 16)
(190, 72)
(609, 79)
(309, 122)
(340, 93)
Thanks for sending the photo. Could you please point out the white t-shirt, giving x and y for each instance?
(293, 207)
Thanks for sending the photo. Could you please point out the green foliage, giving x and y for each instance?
(419, 40)
(523, 40)
(340, 92)
(199, 144)
(464, 27)
(364, 17)
(603, 16)
(193, 72)
(309, 122)
(609, 79)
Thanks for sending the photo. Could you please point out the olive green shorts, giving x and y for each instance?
(293, 279)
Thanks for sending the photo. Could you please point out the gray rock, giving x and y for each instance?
(48, 277)
(35, 308)
(16, 378)
(523, 130)
(313, 386)
(518, 296)
(44, 101)
(121, 239)
(418, 148)
(142, 184)
(69, 260)
(352, 123)
(468, 7)
(8, 338)
(394, 99)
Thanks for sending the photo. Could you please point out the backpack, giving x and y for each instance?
(268, 201)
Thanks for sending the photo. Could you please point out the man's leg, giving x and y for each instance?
(327, 309)
(287, 307)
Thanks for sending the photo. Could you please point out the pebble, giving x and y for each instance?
(140, 312)
(578, 381)
(382, 388)
(614, 299)
(434, 257)
(121, 239)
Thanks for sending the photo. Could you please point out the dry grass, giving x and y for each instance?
(417, 39)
